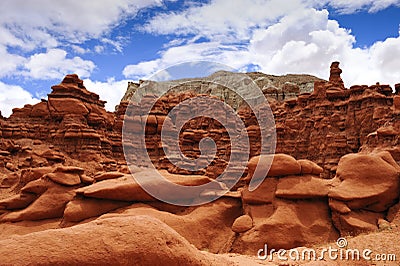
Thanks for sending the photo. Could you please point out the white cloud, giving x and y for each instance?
(222, 20)
(79, 50)
(9, 62)
(302, 41)
(142, 69)
(233, 56)
(54, 64)
(307, 42)
(349, 7)
(111, 91)
(117, 44)
(99, 49)
(27, 26)
(12, 96)
(71, 20)
(381, 64)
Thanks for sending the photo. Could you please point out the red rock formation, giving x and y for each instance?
(72, 118)
(366, 186)
(289, 200)
(322, 126)
(138, 240)
(334, 121)
(62, 158)
(334, 77)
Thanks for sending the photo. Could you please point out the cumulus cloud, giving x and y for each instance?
(9, 62)
(142, 69)
(12, 96)
(286, 37)
(73, 21)
(27, 27)
(222, 20)
(233, 56)
(79, 49)
(349, 7)
(54, 64)
(111, 91)
(304, 41)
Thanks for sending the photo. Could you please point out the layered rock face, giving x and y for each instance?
(273, 87)
(320, 126)
(333, 121)
(72, 118)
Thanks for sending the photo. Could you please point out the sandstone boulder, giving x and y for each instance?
(67, 179)
(50, 204)
(207, 227)
(302, 187)
(265, 192)
(242, 224)
(66, 175)
(366, 185)
(37, 187)
(127, 189)
(83, 208)
(356, 222)
(135, 240)
(370, 182)
(291, 224)
(309, 167)
(339, 206)
(107, 175)
(280, 165)
(18, 201)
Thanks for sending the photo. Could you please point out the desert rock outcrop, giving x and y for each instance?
(335, 171)
(366, 185)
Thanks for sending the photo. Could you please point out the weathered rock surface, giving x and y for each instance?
(83, 208)
(289, 210)
(279, 165)
(69, 176)
(287, 224)
(18, 201)
(321, 126)
(302, 187)
(208, 227)
(50, 204)
(366, 185)
(126, 188)
(72, 118)
(63, 159)
(242, 224)
(273, 87)
(138, 240)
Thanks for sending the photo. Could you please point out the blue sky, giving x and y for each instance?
(109, 43)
